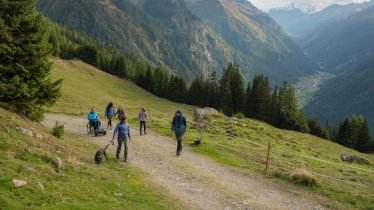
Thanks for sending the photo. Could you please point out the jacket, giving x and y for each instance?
(142, 116)
(92, 116)
(122, 130)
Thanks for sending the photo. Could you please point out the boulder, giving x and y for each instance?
(354, 159)
(41, 186)
(24, 131)
(200, 113)
(19, 183)
(58, 162)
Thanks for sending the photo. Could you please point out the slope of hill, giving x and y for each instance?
(345, 95)
(237, 143)
(30, 153)
(252, 32)
(167, 34)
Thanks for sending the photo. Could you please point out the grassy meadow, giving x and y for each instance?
(240, 143)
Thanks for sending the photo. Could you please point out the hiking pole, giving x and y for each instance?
(267, 157)
(80, 106)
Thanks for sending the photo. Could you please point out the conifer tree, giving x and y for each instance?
(260, 98)
(248, 101)
(364, 141)
(24, 67)
(237, 90)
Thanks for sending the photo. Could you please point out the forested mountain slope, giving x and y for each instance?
(166, 33)
(347, 94)
(255, 34)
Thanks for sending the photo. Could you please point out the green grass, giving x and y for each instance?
(242, 145)
(78, 184)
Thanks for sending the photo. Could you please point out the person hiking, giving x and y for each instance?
(120, 113)
(142, 119)
(109, 113)
(122, 131)
(179, 127)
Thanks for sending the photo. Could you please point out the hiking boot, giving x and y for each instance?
(117, 156)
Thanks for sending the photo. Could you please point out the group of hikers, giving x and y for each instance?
(122, 129)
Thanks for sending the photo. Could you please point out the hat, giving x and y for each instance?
(178, 112)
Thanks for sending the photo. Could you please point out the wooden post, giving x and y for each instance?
(267, 157)
(80, 106)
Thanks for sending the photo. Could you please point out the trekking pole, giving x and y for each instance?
(267, 157)
(80, 106)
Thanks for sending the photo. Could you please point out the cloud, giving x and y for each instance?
(304, 4)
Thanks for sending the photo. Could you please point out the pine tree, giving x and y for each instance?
(237, 90)
(363, 138)
(275, 115)
(225, 90)
(24, 67)
(248, 101)
(261, 98)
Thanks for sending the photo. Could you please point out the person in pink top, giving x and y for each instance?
(142, 120)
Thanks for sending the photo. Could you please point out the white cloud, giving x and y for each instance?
(304, 4)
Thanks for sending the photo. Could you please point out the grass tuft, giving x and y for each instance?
(304, 177)
(58, 130)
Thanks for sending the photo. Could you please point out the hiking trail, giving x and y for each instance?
(196, 180)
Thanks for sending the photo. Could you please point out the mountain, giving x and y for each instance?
(255, 34)
(301, 25)
(345, 95)
(167, 33)
(346, 44)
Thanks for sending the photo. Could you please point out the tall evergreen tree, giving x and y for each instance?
(24, 67)
(364, 142)
(247, 104)
(260, 97)
(237, 90)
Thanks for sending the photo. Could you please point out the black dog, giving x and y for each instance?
(99, 155)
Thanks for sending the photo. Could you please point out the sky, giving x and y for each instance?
(303, 4)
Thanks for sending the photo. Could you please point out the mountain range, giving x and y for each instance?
(338, 37)
(191, 37)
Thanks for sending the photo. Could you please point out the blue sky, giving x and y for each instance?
(303, 4)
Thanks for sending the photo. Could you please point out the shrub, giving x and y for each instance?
(239, 115)
(58, 130)
(304, 177)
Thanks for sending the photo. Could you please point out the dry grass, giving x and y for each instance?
(303, 177)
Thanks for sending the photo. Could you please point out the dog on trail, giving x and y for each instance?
(99, 155)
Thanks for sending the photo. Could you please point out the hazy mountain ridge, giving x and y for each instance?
(167, 33)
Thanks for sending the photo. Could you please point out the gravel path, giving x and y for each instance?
(197, 180)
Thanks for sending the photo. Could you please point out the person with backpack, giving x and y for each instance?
(122, 131)
(179, 127)
(120, 113)
(142, 119)
(109, 113)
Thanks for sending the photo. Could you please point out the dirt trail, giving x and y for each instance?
(197, 180)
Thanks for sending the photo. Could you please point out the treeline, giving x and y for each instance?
(69, 44)
(353, 132)
(258, 100)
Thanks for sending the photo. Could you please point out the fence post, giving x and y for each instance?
(149, 113)
(80, 106)
(267, 157)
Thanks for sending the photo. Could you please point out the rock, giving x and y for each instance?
(232, 120)
(30, 169)
(118, 194)
(199, 113)
(59, 162)
(41, 186)
(24, 131)
(354, 159)
(39, 136)
(19, 183)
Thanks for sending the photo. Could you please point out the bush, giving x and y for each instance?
(239, 115)
(303, 177)
(58, 130)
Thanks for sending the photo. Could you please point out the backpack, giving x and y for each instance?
(179, 126)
